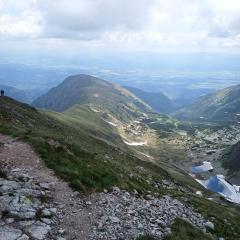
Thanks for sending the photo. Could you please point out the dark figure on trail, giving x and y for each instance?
(2, 93)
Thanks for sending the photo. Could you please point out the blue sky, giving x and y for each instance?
(125, 25)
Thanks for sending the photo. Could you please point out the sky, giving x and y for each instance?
(120, 25)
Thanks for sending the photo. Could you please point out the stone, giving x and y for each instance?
(45, 186)
(53, 210)
(38, 230)
(9, 233)
(116, 189)
(209, 225)
(61, 231)
(61, 238)
(46, 220)
(26, 223)
(23, 237)
(9, 220)
(46, 213)
(114, 219)
(199, 193)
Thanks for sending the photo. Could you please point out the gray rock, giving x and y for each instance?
(53, 210)
(116, 189)
(23, 237)
(8, 233)
(209, 225)
(121, 215)
(46, 212)
(46, 220)
(114, 219)
(38, 230)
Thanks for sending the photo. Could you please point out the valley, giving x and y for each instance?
(123, 162)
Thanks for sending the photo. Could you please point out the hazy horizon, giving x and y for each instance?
(153, 45)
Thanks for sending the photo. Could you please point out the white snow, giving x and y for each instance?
(111, 123)
(220, 185)
(95, 110)
(136, 121)
(205, 167)
(146, 155)
(135, 143)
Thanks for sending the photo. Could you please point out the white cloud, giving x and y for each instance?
(203, 23)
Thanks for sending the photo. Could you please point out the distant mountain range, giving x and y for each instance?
(157, 100)
(15, 93)
(223, 105)
(26, 96)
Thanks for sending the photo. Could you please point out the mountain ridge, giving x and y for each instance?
(88, 90)
(223, 105)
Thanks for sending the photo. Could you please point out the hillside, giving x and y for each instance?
(89, 163)
(157, 100)
(100, 94)
(68, 143)
(231, 158)
(234, 158)
(223, 105)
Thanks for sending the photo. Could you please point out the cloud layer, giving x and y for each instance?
(150, 23)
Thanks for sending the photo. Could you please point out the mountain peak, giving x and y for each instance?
(85, 89)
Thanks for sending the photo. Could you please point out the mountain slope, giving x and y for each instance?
(89, 163)
(231, 159)
(223, 105)
(87, 153)
(157, 100)
(102, 95)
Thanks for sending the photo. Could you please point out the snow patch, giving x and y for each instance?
(146, 155)
(135, 143)
(111, 123)
(205, 167)
(219, 185)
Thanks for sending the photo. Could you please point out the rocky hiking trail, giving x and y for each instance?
(35, 204)
(70, 219)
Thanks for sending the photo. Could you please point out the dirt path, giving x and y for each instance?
(75, 218)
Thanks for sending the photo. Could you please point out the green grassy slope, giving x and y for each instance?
(93, 162)
(82, 150)
(223, 105)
